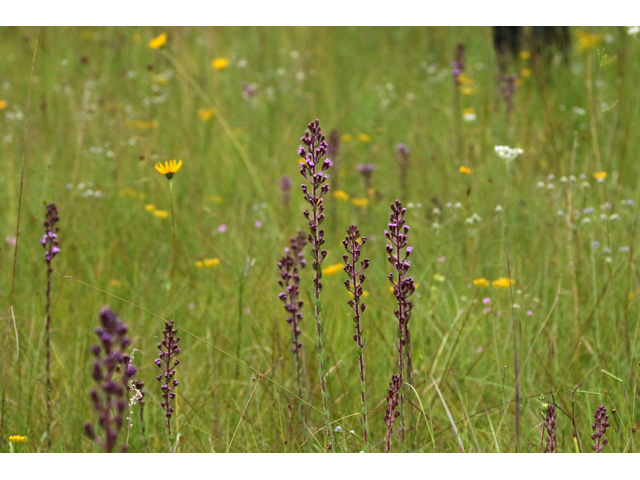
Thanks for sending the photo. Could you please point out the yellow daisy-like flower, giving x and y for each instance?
(158, 41)
(524, 55)
(17, 438)
(465, 170)
(169, 168)
(205, 114)
(161, 213)
(465, 79)
(363, 137)
(481, 282)
(3, 104)
(600, 176)
(149, 207)
(199, 263)
(588, 41)
(360, 202)
(220, 63)
(331, 269)
(503, 282)
(211, 262)
(341, 195)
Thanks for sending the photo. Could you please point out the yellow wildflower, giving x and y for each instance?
(347, 137)
(363, 137)
(114, 282)
(17, 438)
(161, 213)
(525, 72)
(141, 124)
(503, 282)
(467, 91)
(465, 170)
(341, 195)
(465, 79)
(149, 207)
(360, 202)
(588, 41)
(3, 104)
(211, 262)
(220, 63)
(600, 176)
(169, 168)
(131, 193)
(481, 282)
(331, 269)
(158, 41)
(199, 263)
(205, 114)
(524, 55)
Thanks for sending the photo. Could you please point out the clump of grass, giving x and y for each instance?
(312, 169)
(353, 246)
(290, 265)
(112, 371)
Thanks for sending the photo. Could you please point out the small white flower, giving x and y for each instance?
(508, 154)
(338, 429)
(614, 216)
(498, 209)
(540, 184)
(563, 179)
(633, 30)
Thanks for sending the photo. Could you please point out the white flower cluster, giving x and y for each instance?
(508, 154)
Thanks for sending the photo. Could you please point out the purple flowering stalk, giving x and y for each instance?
(366, 169)
(391, 413)
(356, 276)
(49, 242)
(457, 69)
(333, 148)
(403, 161)
(167, 362)
(289, 266)
(508, 91)
(403, 288)
(312, 169)
(599, 429)
(112, 372)
(285, 187)
(549, 427)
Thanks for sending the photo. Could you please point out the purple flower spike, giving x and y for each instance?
(549, 427)
(167, 362)
(355, 273)
(113, 372)
(599, 429)
(403, 287)
(391, 414)
(458, 65)
(289, 266)
(312, 169)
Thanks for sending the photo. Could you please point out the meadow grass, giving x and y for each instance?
(105, 108)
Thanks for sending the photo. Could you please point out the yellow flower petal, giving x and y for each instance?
(220, 63)
(158, 41)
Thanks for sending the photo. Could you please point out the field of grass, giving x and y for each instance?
(86, 113)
